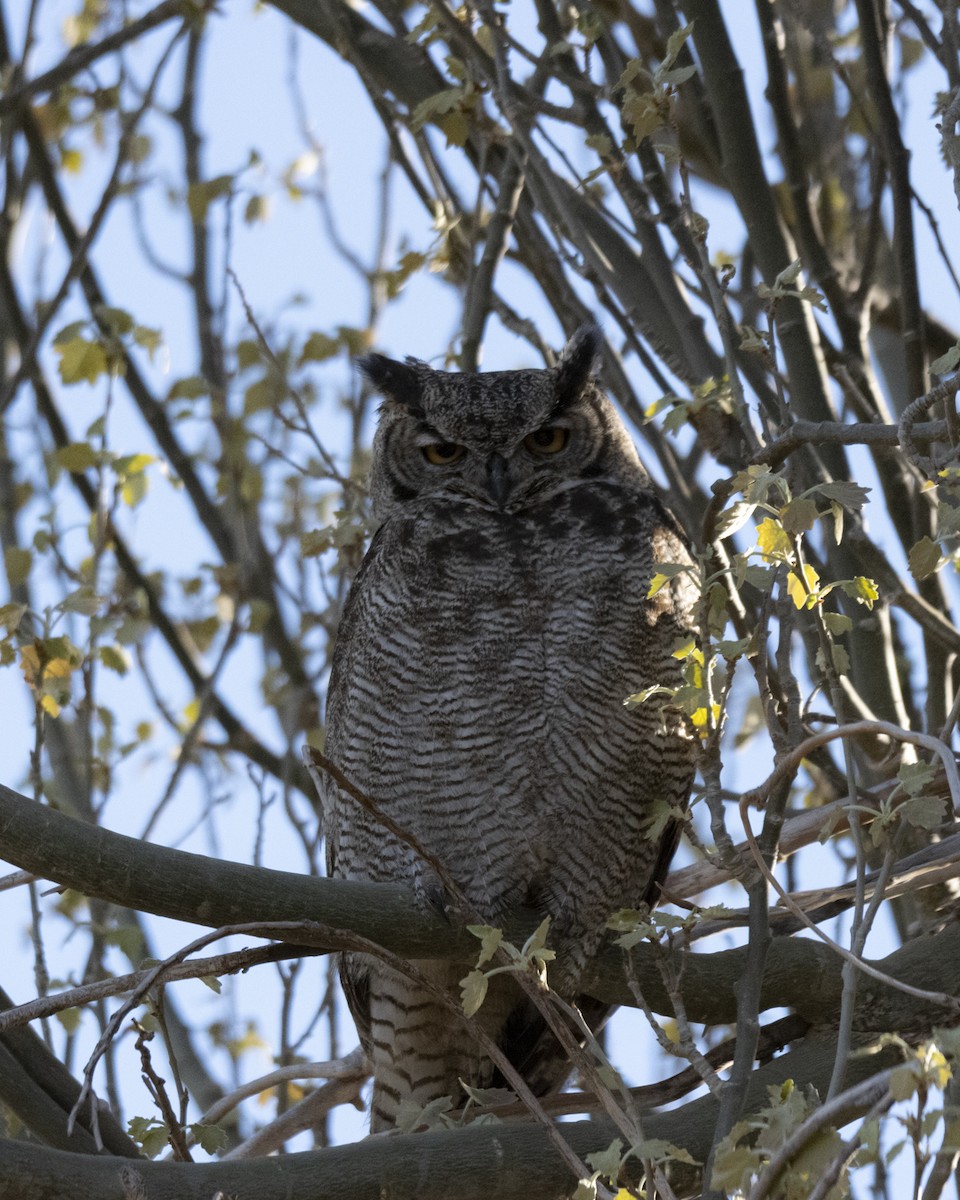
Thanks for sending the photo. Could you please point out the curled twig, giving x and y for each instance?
(907, 433)
(791, 762)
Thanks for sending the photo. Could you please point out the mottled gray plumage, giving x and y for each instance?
(498, 622)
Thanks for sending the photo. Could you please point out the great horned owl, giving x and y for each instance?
(498, 621)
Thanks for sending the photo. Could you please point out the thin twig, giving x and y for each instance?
(81, 57)
(939, 998)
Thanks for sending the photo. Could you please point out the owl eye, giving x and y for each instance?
(442, 454)
(551, 439)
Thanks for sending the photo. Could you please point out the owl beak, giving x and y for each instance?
(498, 479)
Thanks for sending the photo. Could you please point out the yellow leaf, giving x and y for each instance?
(803, 593)
(773, 541)
(699, 718)
(71, 160)
(656, 583)
(938, 1069)
(688, 650)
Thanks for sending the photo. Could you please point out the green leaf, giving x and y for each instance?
(155, 1141)
(639, 698)
(473, 991)
(490, 940)
(536, 942)
(437, 105)
(840, 659)
(319, 347)
(201, 195)
(677, 76)
(249, 354)
(257, 210)
(903, 1081)
(190, 388)
(924, 559)
(69, 1018)
(148, 339)
(852, 496)
(394, 281)
(81, 360)
(489, 1097)
(923, 812)
(210, 1138)
(643, 113)
(948, 518)
(758, 577)
(659, 1150)
(600, 143)
(799, 515)
(117, 320)
(12, 614)
(115, 658)
(355, 340)
(77, 457)
(837, 623)
(69, 332)
(139, 147)
(82, 600)
(657, 816)
(607, 1162)
(789, 275)
(732, 518)
(675, 43)
(263, 395)
(456, 128)
(412, 1116)
(946, 362)
(17, 562)
(914, 777)
(316, 541)
(733, 1167)
(837, 512)
(948, 1041)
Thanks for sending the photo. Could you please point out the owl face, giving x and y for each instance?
(505, 440)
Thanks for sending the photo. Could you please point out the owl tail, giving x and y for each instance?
(419, 1049)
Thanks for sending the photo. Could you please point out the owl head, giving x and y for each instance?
(505, 440)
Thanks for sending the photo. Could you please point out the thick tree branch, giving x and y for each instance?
(509, 1162)
(207, 891)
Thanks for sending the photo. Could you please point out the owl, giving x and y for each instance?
(497, 623)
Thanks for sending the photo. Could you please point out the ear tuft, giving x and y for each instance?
(578, 362)
(395, 380)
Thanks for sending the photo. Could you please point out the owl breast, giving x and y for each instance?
(477, 696)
